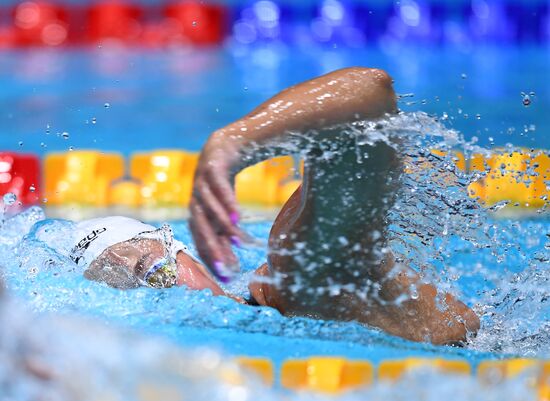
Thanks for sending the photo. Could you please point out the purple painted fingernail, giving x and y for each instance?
(235, 240)
(218, 266)
(234, 216)
(222, 272)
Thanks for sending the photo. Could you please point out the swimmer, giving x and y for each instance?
(328, 255)
(330, 233)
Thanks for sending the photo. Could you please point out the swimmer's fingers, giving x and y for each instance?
(216, 212)
(213, 250)
(221, 187)
(232, 263)
(204, 235)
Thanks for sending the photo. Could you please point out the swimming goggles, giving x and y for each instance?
(163, 274)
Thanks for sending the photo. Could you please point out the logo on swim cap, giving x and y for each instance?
(78, 251)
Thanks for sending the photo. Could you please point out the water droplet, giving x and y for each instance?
(71, 148)
(343, 240)
(65, 135)
(9, 199)
(246, 88)
(20, 143)
(463, 76)
(42, 144)
(32, 188)
(107, 105)
(526, 98)
(404, 95)
(478, 116)
(194, 23)
(94, 120)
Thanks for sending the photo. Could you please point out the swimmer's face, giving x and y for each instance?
(125, 264)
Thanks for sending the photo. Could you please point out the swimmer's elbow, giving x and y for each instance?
(373, 88)
(368, 75)
(384, 82)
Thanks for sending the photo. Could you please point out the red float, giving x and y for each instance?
(114, 21)
(197, 23)
(159, 34)
(40, 23)
(7, 34)
(20, 175)
(7, 37)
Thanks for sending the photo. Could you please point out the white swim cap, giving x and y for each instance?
(95, 235)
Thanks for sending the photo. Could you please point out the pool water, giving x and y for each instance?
(497, 266)
(514, 322)
(176, 98)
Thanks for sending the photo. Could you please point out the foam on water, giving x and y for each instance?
(59, 358)
(50, 357)
(63, 358)
(499, 265)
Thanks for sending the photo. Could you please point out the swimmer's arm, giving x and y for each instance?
(341, 96)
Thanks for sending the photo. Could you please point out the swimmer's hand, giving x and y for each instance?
(214, 209)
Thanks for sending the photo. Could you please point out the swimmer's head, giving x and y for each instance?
(133, 263)
(149, 262)
(125, 253)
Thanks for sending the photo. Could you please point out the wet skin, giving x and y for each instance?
(121, 264)
(306, 252)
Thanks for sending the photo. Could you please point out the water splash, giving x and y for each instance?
(434, 225)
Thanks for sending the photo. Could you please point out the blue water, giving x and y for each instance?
(50, 283)
(191, 319)
(514, 317)
(115, 99)
(175, 99)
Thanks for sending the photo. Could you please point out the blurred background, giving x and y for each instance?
(130, 75)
